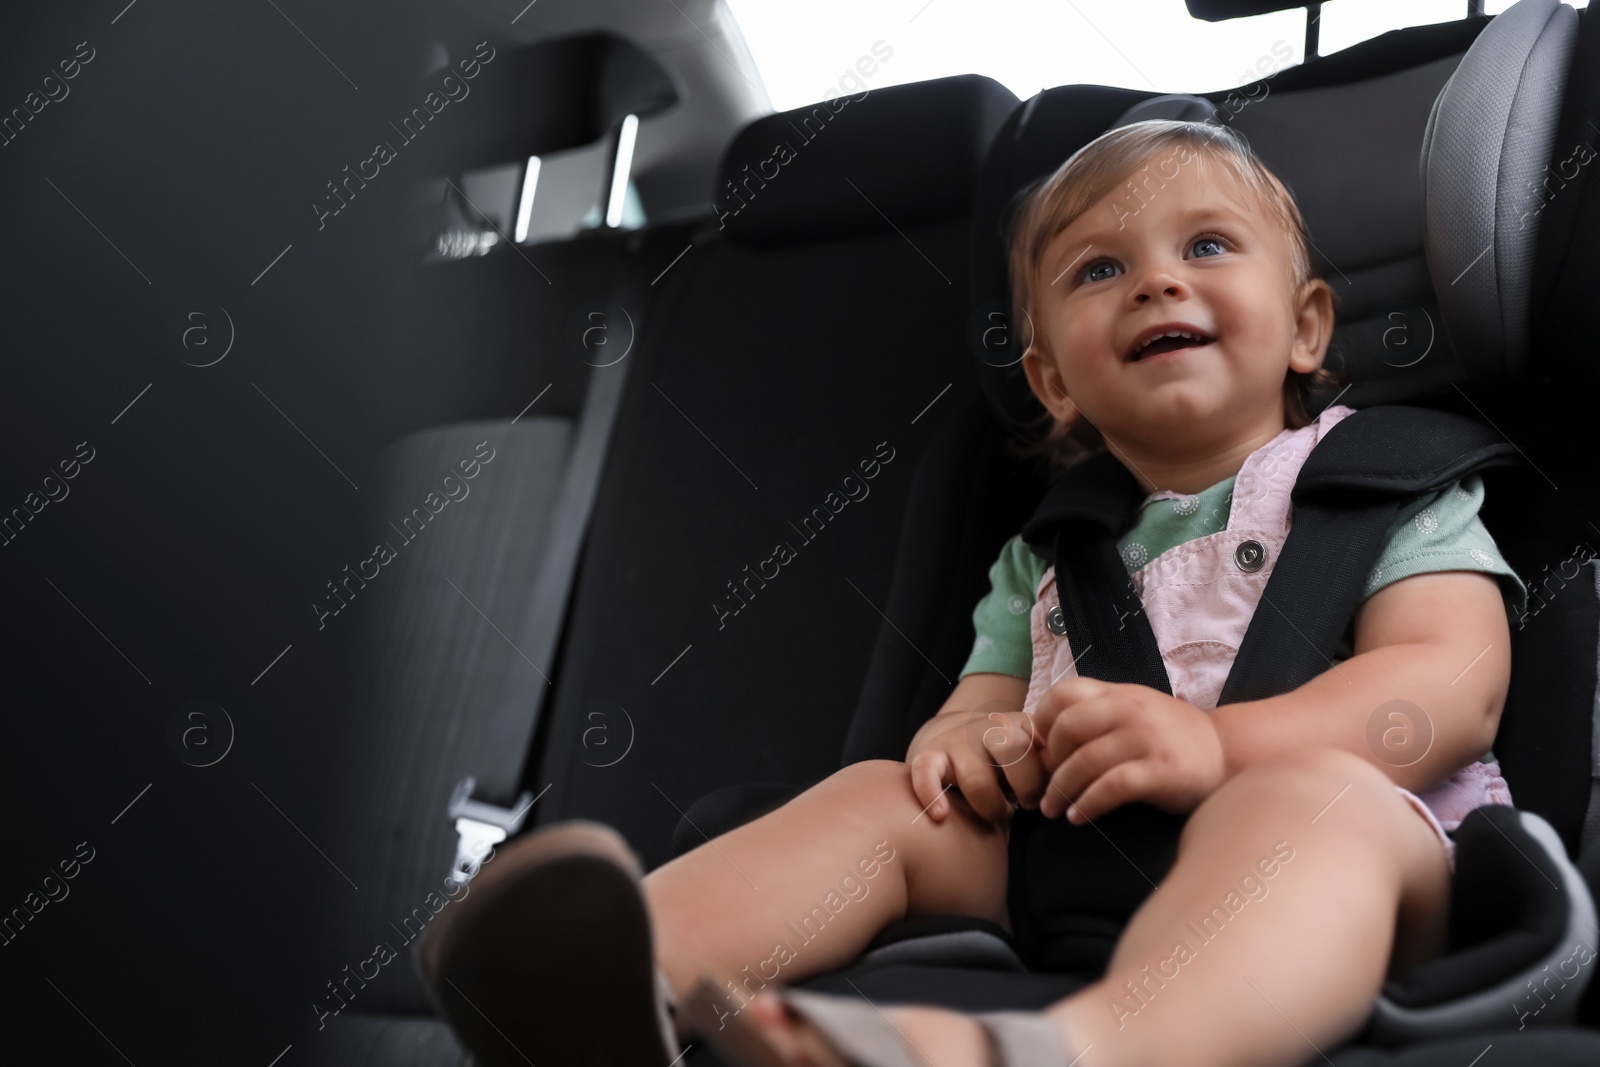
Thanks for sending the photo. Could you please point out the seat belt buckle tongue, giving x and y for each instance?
(480, 826)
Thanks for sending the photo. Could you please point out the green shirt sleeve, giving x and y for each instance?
(1004, 641)
(1442, 532)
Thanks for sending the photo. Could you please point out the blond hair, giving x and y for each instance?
(1098, 169)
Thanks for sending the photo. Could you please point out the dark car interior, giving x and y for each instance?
(636, 453)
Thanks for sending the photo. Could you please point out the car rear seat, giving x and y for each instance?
(798, 332)
(510, 347)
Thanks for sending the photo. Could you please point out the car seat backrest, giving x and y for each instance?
(795, 359)
(803, 176)
(1488, 141)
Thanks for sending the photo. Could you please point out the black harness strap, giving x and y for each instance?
(1078, 523)
(1345, 499)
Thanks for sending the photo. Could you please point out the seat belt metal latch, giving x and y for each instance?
(480, 826)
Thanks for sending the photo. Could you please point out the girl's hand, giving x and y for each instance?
(972, 749)
(1107, 744)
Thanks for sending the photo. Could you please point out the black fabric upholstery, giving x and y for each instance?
(729, 808)
(969, 497)
(837, 169)
(1545, 740)
(937, 924)
(1506, 911)
(775, 383)
(1568, 257)
(738, 433)
(426, 660)
(389, 1041)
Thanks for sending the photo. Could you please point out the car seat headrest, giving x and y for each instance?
(1223, 10)
(1177, 106)
(1487, 144)
(541, 98)
(836, 169)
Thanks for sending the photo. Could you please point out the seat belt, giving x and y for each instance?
(1345, 498)
(480, 820)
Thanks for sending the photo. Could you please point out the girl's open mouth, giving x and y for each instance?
(1168, 342)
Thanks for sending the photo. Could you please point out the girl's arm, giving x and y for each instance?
(1438, 642)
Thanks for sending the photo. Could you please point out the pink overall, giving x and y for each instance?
(1199, 600)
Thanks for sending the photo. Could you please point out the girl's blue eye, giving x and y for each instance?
(1201, 241)
(1091, 272)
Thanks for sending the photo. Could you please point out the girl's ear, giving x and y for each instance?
(1045, 381)
(1313, 327)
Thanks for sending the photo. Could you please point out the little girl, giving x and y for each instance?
(1229, 884)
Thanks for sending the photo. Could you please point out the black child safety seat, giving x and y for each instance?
(1438, 172)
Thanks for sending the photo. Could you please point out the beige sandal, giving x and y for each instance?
(861, 1035)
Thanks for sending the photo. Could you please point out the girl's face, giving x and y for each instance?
(1194, 253)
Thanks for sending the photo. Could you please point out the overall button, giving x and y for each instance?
(1250, 555)
(1056, 621)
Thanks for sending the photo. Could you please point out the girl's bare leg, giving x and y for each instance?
(1289, 966)
(1296, 968)
(803, 889)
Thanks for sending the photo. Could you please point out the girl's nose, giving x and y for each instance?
(1157, 279)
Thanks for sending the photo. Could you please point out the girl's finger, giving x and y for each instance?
(1094, 759)
(928, 772)
(1122, 784)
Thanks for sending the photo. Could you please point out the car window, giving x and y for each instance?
(851, 46)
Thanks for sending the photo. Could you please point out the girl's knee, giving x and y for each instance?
(877, 791)
(1315, 781)
(876, 778)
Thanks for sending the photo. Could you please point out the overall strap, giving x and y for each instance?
(1345, 498)
(1076, 528)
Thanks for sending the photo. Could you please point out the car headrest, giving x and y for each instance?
(545, 97)
(1223, 10)
(1346, 134)
(839, 168)
(1488, 141)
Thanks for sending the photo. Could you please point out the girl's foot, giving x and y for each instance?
(548, 958)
